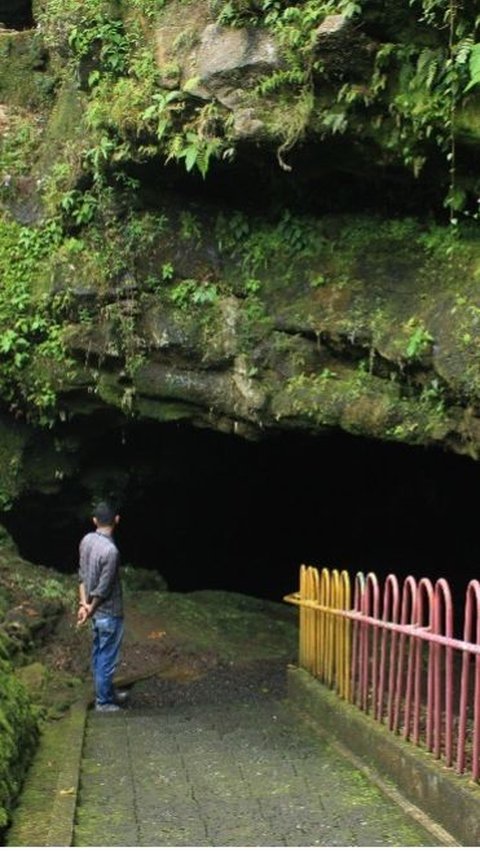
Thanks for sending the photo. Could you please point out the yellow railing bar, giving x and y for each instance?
(325, 630)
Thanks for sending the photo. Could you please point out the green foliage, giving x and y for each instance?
(190, 227)
(158, 115)
(195, 150)
(473, 66)
(18, 147)
(407, 93)
(31, 341)
(126, 341)
(419, 340)
(80, 207)
(18, 738)
(129, 113)
(148, 8)
(105, 39)
(433, 394)
(190, 292)
(253, 244)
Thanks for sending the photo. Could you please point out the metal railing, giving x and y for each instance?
(393, 654)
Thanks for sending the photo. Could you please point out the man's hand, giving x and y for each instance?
(84, 611)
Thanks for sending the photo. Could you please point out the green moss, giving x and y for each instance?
(63, 145)
(238, 627)
(24, 81)
(364, 404)
(18, 738)
(12, 447)
(164, 411)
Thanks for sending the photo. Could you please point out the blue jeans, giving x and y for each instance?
(107, 641)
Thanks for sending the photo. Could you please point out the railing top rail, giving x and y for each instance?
(414, 630)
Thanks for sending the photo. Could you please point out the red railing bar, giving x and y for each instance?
(422, 633)
(422, 613)
(390, 602)
(442, 593)
(357, 600)
(475, 589)
(476, 725)
(409, 588)
(472, 597)
(392, 663)
(370, 599)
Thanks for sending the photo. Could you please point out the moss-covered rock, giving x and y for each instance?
(25, 81)
(133, 285)
(18, 738)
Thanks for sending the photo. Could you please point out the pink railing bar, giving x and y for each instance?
(370, 602)
(393, 663)
(412, 630)
(444, 626)
(390, 608)
(376, 632)
(476, 721)
(476, 705)
(403, 682)
(472, 602)
(409, 594)
(407, 617)
(356, 651)
(426, 593)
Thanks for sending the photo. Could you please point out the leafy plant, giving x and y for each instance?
(196, 150)
(32, 351)
(419, 341)
(80, 207)
(191, 292)
(104, 39)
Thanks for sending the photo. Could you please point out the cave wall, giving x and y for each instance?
(193, 230)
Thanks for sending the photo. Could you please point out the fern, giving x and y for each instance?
(194, 150)
(474, 67)
(275, 81)
(427, 67)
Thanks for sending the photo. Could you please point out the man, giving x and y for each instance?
(101, 601)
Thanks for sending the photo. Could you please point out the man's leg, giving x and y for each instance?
(108, 635)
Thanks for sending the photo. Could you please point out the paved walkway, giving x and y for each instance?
(218, 764)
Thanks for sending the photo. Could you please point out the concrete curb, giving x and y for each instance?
(450, 800)
(45, 814)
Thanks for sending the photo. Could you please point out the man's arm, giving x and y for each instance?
(102, 590)
(107, 576)
(85, 608)
(81, 615)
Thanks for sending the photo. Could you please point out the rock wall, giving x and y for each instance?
(237, 219)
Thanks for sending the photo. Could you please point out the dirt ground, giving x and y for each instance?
(178, 636)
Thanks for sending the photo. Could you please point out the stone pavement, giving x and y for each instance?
(200, 769)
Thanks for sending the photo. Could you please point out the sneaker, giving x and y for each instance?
(109, 706)
(121, 696)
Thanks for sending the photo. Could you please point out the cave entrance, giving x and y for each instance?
(16, 14)
(208, 510)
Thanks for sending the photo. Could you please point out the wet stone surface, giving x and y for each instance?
(224, 761)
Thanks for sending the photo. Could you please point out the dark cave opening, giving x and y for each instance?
(16, 14)
(209, 510)
(339, 176)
